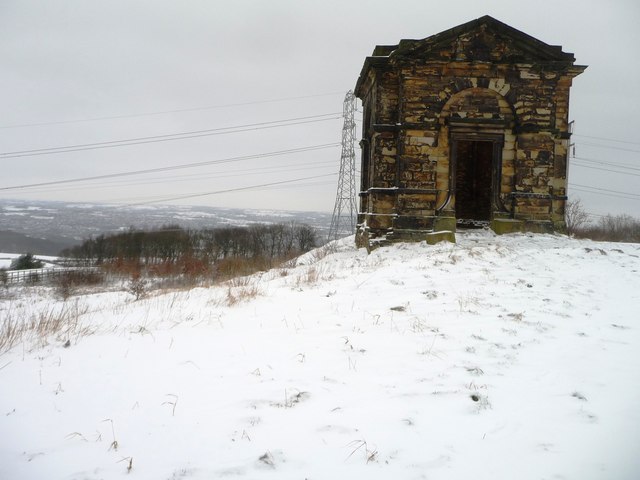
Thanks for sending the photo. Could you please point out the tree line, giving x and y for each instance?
(608, 228)
(611, 228)
(172, 244)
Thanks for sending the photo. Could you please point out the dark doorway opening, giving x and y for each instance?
(473, 181)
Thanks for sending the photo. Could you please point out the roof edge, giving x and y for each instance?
(383, 53)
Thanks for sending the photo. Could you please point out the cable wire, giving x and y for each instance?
(609, 147)
(613, 193)
(162, 112)
(606, 139)
(601, 162)
(175, 167)
(168, 137)
(604, 194)
(189, 178)
(578, 164)
(238, 189)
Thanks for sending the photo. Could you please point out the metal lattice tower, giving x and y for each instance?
(343, 222)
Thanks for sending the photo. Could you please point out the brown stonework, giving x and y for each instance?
(470, 126)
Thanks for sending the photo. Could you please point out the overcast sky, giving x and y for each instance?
(68, 67)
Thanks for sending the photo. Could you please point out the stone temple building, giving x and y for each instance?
(468, 127)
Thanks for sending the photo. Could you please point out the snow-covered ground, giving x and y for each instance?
(7, 258)
(496, 358)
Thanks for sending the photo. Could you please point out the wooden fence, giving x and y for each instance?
(37, 275)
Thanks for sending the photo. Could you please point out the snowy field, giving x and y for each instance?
(7, 258)
(513, 357)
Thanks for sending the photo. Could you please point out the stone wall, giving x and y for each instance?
(420, 99)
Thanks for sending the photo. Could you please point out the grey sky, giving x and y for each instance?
(77, 60)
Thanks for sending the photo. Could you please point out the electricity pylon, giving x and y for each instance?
(343, 221)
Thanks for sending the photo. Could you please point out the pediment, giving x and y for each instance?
(482, 40)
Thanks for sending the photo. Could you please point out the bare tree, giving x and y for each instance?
(575, 216)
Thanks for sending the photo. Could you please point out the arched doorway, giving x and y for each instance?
(476, 161)
(473, 181)
(477, 122)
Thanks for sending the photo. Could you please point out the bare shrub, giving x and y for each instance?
(239, 266)
(67, 283)
(613, 228)
(575, 216)
(235, 267)
(122, 267)
(137, 286)
(194, 268)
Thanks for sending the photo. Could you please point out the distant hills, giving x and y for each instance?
(46, 228)
(14, 242)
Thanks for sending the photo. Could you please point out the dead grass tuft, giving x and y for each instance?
(60, 323)
(237, 295)
(321, 252)
(311, 276)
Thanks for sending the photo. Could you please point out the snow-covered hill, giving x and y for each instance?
(495, 358)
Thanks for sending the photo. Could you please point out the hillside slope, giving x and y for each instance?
(498, 357)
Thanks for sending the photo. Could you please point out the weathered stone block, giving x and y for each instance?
(502, 226)
(444, 224)
(380, 222)
(441, 236)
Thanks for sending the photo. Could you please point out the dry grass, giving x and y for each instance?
(237, 295)
(62, 324)
(327, 249)
(71, 282)
(370, 453)
(239, 267)
(312, 275)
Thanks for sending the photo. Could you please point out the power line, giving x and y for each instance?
(606, 189)
(170, 136)
(578, 164)
(188, 178)
(604, 194)
(238, 189)
(236, 173)
(610, 147)
(606, 139)
(162, 112)
(612, 193)
(175, 167)
(612, 164)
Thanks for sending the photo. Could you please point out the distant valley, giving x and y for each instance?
(45, 228)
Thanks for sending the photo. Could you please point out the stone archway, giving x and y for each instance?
(477, 127)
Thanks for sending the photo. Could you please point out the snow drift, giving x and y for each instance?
(497, 357)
